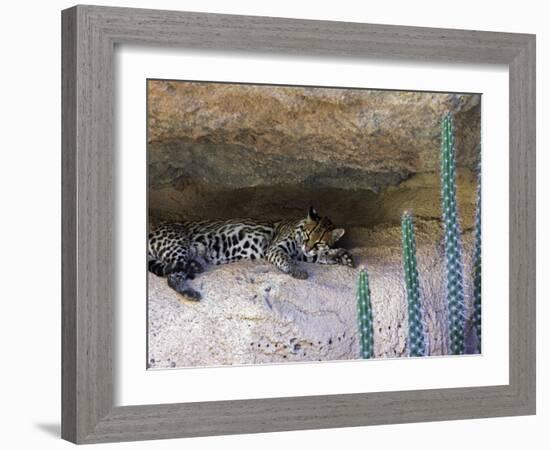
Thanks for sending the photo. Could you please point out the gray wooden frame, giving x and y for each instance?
(89, 36)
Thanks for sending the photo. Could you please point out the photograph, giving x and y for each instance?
(267, 225)
(293, 224)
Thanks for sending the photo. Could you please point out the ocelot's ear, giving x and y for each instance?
(337, 233)
(312, 214)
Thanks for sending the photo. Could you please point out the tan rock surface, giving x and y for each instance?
(229, 150)
(357, 130)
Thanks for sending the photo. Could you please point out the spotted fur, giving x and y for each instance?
(175, 249)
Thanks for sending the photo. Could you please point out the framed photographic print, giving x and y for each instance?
(278, 224)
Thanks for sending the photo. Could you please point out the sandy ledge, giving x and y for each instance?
(251, 313)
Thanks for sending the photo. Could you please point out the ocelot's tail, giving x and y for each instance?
(159, 268)
(163, 268)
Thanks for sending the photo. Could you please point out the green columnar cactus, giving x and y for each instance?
(364, 309)
(453, 246)
(417, 345)
(477, 269)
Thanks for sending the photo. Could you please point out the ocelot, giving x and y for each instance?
(174, 249)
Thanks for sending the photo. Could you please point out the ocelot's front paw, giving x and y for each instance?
(344, 258)
(298, 273)
(337, 256)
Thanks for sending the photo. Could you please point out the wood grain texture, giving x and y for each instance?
(68, 226)
(89, 36)
(523, 224)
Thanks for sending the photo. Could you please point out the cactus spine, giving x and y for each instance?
(453, 247)
(477, 269)
(365, 315)
(417, 345)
